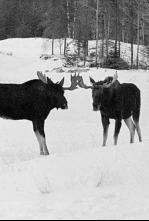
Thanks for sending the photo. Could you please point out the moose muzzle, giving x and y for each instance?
(96, 107)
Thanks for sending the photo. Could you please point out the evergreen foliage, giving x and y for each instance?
(119, 20)
(118, 64)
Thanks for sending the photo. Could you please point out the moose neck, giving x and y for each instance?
(112, 95)
(107, 96)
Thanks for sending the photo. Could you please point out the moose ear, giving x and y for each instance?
(92, 81)
(61, 83)
(49, 81)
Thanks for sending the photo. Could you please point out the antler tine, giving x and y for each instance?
(82, 85)
(116, 75)
(42, 77)
(113, 81)
(74, 83)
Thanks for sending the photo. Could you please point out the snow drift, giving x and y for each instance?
(102, 167)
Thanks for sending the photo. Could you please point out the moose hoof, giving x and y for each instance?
(47, 154)
(42, 153)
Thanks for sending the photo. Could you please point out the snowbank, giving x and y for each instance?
(100, 167)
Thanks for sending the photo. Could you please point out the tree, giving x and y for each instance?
(117, 20)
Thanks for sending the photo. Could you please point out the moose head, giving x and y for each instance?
(56, 90)
(100, 89)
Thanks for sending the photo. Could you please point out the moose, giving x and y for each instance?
(116, 101)
(33, 101)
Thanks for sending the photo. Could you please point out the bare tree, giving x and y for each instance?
(68, 20)
(97, 30)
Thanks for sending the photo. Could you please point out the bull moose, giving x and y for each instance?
(33, 101)
(116, 101)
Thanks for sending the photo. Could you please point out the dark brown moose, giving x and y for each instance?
(116, 101)
(33, 101)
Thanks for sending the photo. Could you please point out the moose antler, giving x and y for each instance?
(42, 77)
(81, 83)
(74, 83)
(107, 85)
(46, 80)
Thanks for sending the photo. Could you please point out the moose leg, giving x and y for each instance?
(118, 124)
(40, 134)
(138, 129)
(105, 123)
(131, 127)
(40, 143)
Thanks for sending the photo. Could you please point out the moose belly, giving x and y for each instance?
(15, 112)
(110, 113)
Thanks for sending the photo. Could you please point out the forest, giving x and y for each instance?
(82, 20)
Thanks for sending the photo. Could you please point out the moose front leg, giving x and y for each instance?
(38, 126)
(105, 123)
(118, 124)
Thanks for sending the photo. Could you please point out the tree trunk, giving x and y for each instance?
(138, 38)
(131, 33)
(142, 34)
(116, 27)
(68, 20)
(106, 34)
(131, 50)
(65, 44)
(53, 46)
(97, 31)
(87, 48)
(85, 52)
(123, 23)
(103, 32)
(74, 20)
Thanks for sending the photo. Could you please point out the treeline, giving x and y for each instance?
(125, 20)
(82, 20)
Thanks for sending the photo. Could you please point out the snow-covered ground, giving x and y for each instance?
(80, 179)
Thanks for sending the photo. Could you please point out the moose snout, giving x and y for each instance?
(64, 105)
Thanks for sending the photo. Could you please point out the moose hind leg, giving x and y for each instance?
(40, 134)
(131, 127)
(138, 129)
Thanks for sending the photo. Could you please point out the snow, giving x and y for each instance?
(80, 179)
